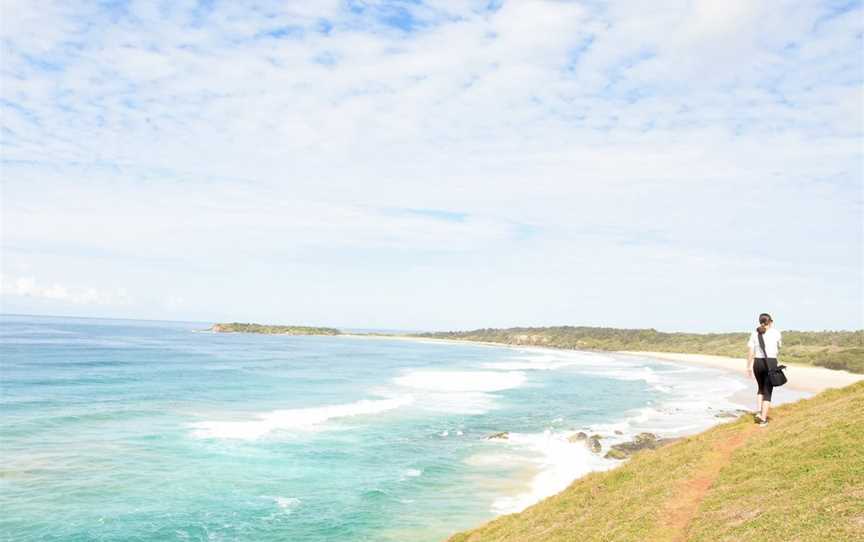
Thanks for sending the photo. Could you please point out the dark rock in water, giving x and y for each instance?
(504, 435)
(617, 432)
(578, 437)
(592, 442)
(615, 454)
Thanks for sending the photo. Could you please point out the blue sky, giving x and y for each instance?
(435, 165)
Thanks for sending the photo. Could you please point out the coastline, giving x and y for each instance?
(807, 378)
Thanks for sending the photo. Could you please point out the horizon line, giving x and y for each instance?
(349, 328)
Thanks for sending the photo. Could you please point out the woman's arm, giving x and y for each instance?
(751, 344)
(750, 356)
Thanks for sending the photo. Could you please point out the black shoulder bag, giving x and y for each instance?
(775, 376)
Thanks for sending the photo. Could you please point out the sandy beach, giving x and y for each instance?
(801, 377)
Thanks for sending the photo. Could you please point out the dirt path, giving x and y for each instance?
(681, 508)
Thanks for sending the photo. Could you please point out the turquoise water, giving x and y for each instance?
(139, 430)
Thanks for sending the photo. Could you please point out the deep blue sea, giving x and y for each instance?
(151, 431)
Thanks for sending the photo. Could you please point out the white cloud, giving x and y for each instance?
(29, 287)
(182, 139)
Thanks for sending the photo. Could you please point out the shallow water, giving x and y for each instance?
(139, 430)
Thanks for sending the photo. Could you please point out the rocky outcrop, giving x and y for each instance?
(642, 441)
(578, 437)
(503, 435)
(615, 454)
(594, 444)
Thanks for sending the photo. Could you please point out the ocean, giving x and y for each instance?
(150, 431)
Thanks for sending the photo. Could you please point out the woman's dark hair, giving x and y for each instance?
(764, 320)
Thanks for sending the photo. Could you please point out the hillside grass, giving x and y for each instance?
(832, 349)
(800, 478)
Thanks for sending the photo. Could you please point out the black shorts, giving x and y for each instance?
(760, 371)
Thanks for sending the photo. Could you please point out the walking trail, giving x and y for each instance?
(682, 506)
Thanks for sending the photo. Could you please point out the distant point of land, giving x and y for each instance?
(237, 327)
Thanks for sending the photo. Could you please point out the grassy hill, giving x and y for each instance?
(832, 349)
(237, 327)
(800, 478)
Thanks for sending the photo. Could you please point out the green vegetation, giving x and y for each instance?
(832, 349)
(800, 478)
(237, 327)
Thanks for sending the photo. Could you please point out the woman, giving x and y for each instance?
(766, 360)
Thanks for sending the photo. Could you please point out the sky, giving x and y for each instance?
(681, 165)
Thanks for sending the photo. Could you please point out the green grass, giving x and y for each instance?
(801, 478)
(832, 349)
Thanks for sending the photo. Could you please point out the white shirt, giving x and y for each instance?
(772, 343)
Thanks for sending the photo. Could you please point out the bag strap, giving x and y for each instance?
(762, 344)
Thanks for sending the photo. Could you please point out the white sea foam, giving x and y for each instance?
(559, 462)
(458, 392)
(296, 419)
(689, 400)
(548, 360)
(529, 365)
(411, 473)
(461, 381)
(287, 503)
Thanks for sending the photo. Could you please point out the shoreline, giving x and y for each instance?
(809, 378)
(801, 377)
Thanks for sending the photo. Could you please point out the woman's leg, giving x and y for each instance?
(767, 392)
(757, 376)
(768, 387)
